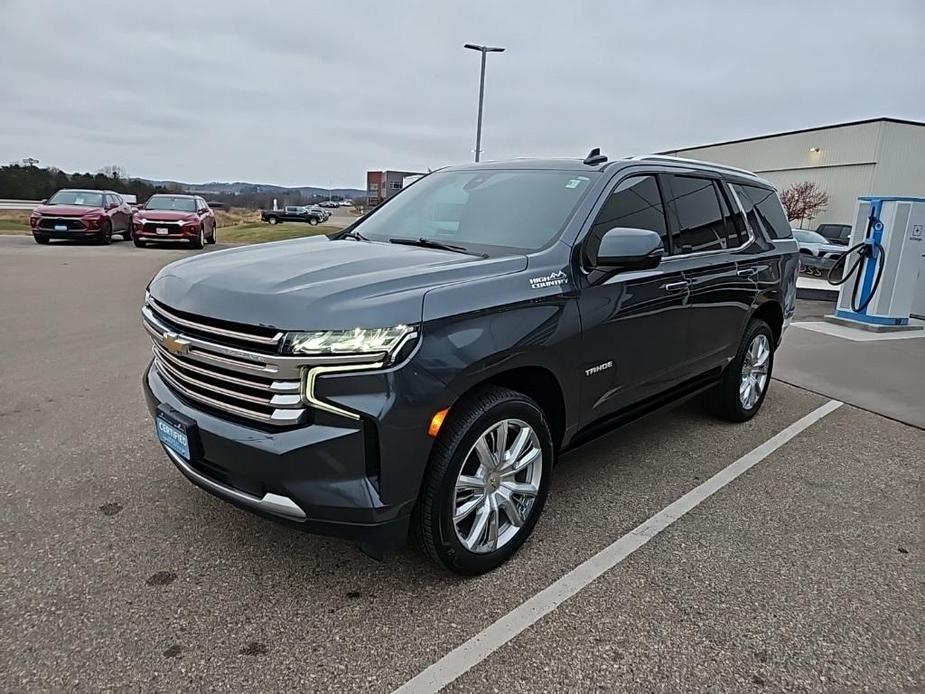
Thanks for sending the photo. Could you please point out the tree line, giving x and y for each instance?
(30, 182)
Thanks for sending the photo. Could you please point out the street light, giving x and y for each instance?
(484, 50)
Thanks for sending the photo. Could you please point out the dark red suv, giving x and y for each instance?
(81, 214)
(185, 218)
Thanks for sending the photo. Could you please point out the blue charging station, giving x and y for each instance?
(884, 266)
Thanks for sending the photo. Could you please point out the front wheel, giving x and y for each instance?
(200, 240)
(486, 482)
(105, 236)
(744, 383)
(41, 239)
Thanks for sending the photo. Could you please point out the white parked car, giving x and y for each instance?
(817, 253)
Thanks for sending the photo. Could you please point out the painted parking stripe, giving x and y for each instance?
(475, 650)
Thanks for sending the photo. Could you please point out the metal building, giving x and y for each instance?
(879, 156)
(381, 185)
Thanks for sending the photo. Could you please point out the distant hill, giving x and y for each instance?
(244, 188)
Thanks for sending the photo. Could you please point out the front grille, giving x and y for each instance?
(239, 369)
(152, 227)
(51, 222)
(225, 366)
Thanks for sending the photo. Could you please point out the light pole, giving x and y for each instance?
(484, 50)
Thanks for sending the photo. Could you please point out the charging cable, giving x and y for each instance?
(868, 250)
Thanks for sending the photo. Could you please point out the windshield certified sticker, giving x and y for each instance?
(552, 280)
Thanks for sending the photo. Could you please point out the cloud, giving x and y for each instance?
(316, 93)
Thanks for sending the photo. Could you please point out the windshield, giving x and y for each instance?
(804, 236)
(81, 198)
(170, 202)
(518, 210)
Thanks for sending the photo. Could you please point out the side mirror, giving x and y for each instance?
(624, 248)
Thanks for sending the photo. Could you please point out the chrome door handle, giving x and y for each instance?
(747, 272)
(677, 286)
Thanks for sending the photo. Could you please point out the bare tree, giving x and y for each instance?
(113, 171)
(803, 201)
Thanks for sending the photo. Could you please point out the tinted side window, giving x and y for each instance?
(735, 235)
(701, 224)
(751, 212)
(769, 211)
(634, 202)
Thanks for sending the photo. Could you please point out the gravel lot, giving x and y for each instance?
(804, 574)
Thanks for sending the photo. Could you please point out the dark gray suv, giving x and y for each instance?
(421, 370)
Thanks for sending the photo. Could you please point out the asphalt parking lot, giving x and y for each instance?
(804, 573)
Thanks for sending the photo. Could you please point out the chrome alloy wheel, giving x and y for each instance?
(755, 371)
(497, 486)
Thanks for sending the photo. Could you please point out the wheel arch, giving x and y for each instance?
(536, 382)
(772, 313)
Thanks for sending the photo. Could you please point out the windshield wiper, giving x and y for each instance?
(355, 235)
(433, 243)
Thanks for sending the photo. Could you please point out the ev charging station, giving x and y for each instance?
(885, 284)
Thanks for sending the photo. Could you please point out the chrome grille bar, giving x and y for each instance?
(164, 313)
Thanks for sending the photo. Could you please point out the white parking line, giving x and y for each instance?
(483, 644)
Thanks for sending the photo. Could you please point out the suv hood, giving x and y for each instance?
(315, 283)
(66, 210)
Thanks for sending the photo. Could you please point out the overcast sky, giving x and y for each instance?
(315, 93)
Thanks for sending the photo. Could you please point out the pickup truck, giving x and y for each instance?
(292, 214)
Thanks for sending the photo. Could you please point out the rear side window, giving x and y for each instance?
(703, 225)
(769, 211)
(634, 202)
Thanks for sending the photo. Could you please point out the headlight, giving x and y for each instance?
(356, 341)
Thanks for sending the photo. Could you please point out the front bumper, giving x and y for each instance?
(69, 234)
(175, 234)
(315, 477)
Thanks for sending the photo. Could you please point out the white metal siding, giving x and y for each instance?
(901, 164)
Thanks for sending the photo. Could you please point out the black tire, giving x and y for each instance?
(272, 220)
(211, 238)
(432, 522)
(104, 238)
(138, 242)
(313, 221)
(199, 241)
(726, 400)
(41, 239)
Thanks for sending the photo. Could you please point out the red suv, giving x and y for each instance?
(81, 214)
(184, 218)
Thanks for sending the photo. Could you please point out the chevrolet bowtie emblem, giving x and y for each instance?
(174, 344)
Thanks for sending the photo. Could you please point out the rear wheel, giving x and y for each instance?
(211, 238)
(105, 235)
(744, 384)
(313, 221)
(272, 220)
(486, 482)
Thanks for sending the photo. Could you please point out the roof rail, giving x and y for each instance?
(698, 162)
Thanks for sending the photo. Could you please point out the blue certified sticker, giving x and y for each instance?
(173, 436)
